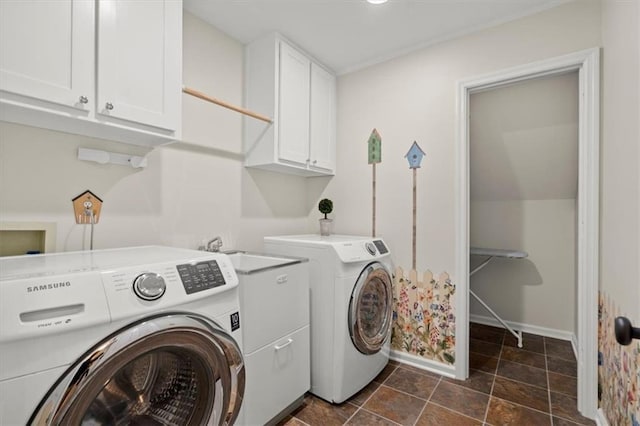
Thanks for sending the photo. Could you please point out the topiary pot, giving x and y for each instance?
(325, 206)
(325, 226)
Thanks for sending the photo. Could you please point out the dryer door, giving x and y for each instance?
(169, 369)
(370, 309)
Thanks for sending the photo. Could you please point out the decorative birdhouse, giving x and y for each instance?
(86, 208)
(375, 147)
(414, 156)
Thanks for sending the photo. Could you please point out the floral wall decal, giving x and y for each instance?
(618, 370)
(424, 319)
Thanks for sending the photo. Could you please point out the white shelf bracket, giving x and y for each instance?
(105, 157)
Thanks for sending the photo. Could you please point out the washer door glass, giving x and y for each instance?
(370, 309)
(177, 369)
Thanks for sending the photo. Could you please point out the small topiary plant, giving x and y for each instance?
(325, 206)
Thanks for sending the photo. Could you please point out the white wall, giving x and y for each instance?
(524, 179)
(413, 98)
(190, 190)
(620, 156)
(524, 140)
(539, 290)
(620, 207)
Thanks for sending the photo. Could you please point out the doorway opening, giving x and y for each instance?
(523, 187)
(586, 64)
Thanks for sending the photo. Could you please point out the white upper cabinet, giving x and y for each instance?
(137, 55)
(109, 68)
(299, 94)
(47, 51)
(322, 144)
(293, 117)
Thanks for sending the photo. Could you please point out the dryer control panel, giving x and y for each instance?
(358, 251)
(382, 249)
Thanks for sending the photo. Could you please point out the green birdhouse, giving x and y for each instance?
(375, 147)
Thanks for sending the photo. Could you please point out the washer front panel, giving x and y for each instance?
(370, 309)
(177, 368)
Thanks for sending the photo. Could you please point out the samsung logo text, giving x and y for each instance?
(50, 286)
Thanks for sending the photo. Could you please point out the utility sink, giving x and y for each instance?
(249, 263)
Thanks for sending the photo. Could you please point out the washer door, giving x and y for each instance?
(170, 369)
(370, 309)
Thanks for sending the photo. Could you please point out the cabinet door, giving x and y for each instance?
(284, 289)
(293, 110)
(47, 51)
(323, 112)
(139, 61)
(277, 375)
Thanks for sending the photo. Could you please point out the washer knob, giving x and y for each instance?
(370, 248)
(149, 286)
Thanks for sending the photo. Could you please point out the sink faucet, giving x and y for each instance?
(214, 245)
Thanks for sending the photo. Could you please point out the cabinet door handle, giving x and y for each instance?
(109, 106)
(284, 345)
(84, 100)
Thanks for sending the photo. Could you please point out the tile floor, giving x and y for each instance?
(535, 385)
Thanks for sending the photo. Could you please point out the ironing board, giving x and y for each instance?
(491, 254)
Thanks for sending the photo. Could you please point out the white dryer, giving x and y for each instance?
(351, 308)
(146, 335)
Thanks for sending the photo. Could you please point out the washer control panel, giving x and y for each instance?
(200, 276)
(155, 286)
(52, 293)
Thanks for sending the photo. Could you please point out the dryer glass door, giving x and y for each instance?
(176, 369)
(370, 309)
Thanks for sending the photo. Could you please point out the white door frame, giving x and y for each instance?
(587, 63)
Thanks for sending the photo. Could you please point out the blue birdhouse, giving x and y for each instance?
(414, 156)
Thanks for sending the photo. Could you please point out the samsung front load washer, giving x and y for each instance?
(145, 335)
(351, 308)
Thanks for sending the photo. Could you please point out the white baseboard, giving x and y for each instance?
(528, 328)
(425, 364)
(601, 420)
(574, 345)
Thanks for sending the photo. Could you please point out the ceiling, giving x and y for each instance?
(346, 35)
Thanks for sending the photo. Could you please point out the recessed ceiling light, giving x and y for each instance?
(376, 1)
